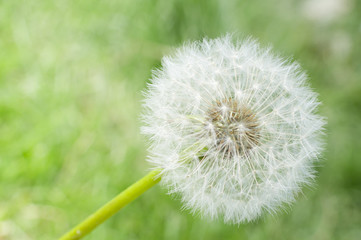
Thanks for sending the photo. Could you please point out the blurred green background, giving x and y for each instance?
(71, 76)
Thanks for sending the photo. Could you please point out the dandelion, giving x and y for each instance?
(233, 129)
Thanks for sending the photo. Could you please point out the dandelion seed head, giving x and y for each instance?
(234, 128)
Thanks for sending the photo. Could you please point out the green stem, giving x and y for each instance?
(113, 206)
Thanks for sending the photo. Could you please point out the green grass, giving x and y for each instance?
(71, 76)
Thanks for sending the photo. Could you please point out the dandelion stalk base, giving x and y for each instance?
(113, 206)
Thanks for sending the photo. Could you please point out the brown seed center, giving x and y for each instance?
(235, 127)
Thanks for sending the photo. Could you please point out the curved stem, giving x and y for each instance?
(113, 206)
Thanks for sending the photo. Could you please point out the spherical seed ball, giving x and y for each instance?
(233, 127)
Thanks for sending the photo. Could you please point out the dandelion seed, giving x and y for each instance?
(233, 127)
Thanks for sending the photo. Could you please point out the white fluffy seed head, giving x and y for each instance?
(233, 127)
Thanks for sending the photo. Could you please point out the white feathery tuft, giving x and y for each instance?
(233, 127)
